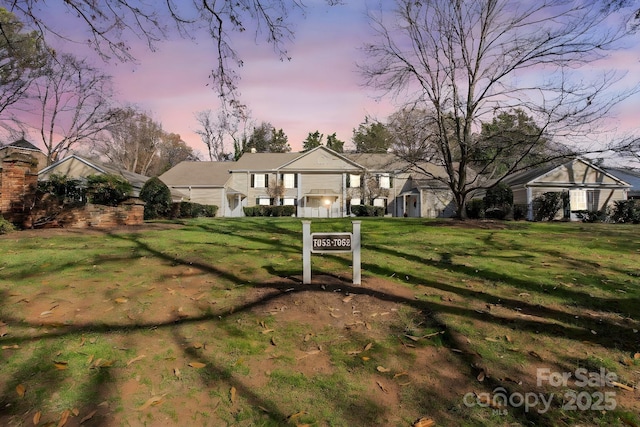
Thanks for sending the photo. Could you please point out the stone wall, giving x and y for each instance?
(130, 212)
(18, 182)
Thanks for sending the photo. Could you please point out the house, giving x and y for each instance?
(320, 183)
(629, 176)
(587, 187)
(78, 167)
(24, 146)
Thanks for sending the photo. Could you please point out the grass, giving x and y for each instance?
(206, 323)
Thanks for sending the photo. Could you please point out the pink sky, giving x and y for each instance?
(319, 89)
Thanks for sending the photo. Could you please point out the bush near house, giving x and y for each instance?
(5, 226)
(109, 190)
(627, 211)
(193, 210)
(367, 210)
(270, 210)
(498, 201)
(157, 198)
(546, 206)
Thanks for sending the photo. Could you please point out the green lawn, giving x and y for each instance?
(206, 322)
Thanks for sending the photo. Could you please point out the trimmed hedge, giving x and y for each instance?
(367, 210)
(193, 210)
(287, 210)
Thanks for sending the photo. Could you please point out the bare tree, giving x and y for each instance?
(72, 102)
(132, 140)
(215, 131)
(110, 23)
(464, 60)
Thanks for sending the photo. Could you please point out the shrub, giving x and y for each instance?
(66, 190)
(109, 190)
(498, 201)
(194, 210)
(475, 209)
(593, 216)
(627, 211)
(519, 212)
(547, 205)
(367, 210)
(5, 226)
(288, 210)
(157, 198)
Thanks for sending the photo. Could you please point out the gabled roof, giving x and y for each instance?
(23, 144)
(262, 161)
(136, 180)
(387, 162)
(538, 175)
(629, 176)
(197, 174)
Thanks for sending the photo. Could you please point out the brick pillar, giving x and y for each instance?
(18, 180)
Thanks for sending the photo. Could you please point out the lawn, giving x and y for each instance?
(207, 322)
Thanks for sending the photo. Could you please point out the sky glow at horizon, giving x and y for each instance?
(319, 89)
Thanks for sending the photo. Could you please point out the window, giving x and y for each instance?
(592, 201)
(259, 180)
(379, 202)
(384, 181)
(263, 201)
(356, 201)
(353, 181)
(289, 201)
(578, 200)
(289, 180)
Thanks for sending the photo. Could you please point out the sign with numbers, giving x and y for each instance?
(331, 242)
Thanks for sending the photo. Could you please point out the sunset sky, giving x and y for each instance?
(319, 89)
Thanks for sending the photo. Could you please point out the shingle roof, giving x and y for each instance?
(22, 143)
(208, 174)
(262, 161)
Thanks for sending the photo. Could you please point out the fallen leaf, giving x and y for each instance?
(75, 412)
(382, 387)
(368, 346)
(155, 400)
(10, 347)
(365, 358)
(136, 359)
(413, 338)
(273, 341)
(383, 369)
(61, 366)
(36, 418)
(177, 372)
(347, 299)
(46, 313)
(401, 374)
(197, 365)
(21, 390)
(636, 356)
(622, 386)
(296, 415)
(424, 422)
(88, 416)
(198, 345)
(64, 418)
(232, 394)
(266, 331)
(121, 300)
(481, 376)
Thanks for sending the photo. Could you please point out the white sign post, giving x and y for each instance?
(330, 243)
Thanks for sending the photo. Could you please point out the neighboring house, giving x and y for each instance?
(589, 188)
(77, 167)
(629, 176)
(320, 183)
(24, 146)
(199, 182)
